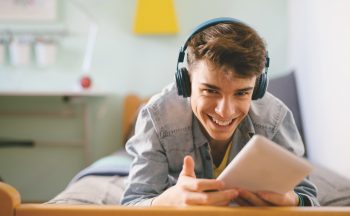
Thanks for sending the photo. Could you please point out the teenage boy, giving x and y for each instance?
(181, 144)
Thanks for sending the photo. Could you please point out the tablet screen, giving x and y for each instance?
(263, 165)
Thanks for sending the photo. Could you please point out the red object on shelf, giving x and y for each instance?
(85, 82)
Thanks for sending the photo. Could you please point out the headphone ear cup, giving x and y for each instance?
(183, 82)
(260, 86)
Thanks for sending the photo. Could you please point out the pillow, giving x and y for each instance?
(98, 190)
(114, 164)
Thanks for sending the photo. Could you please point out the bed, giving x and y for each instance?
(334, 190)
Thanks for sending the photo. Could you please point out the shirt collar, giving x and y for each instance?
(246, 127)
(199, 138)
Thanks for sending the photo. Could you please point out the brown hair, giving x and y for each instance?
(229, 45)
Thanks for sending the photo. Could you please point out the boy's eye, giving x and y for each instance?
(242, 93)
(211, 91)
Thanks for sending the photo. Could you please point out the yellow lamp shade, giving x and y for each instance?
(155, 17)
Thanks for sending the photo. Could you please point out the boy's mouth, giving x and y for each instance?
(221, 123)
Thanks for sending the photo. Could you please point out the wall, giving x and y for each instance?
(319, 51)
(122, 63)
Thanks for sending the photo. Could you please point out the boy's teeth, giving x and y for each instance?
(222, 123)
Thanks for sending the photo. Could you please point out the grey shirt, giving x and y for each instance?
(166, 131)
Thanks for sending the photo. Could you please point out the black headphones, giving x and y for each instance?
(182, 77)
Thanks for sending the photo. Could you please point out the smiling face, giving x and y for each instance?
(220, 100)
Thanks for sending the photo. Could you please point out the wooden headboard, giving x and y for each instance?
(131, 106)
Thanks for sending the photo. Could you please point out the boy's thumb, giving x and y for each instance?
(188, 167)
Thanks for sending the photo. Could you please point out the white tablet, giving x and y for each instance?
(263, 165)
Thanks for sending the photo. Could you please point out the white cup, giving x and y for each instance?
(20, 51)
(46, 52)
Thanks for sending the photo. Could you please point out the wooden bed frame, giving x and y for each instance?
(10, 205)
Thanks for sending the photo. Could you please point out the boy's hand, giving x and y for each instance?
(192, 191)
(247, 198)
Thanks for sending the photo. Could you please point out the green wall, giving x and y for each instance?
(122, 63)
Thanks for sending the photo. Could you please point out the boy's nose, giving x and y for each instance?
(225, 108)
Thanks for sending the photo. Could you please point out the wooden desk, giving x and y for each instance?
(76, 97)
(59, 138)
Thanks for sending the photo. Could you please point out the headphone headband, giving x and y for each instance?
(207, 24)
(201, 27)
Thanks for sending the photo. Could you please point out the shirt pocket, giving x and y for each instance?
(177, 144)
(176, 157)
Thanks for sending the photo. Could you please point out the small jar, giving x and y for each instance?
(45, 51)
(20, 50)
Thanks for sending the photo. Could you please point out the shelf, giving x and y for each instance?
(86, 93)
(49, 59)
